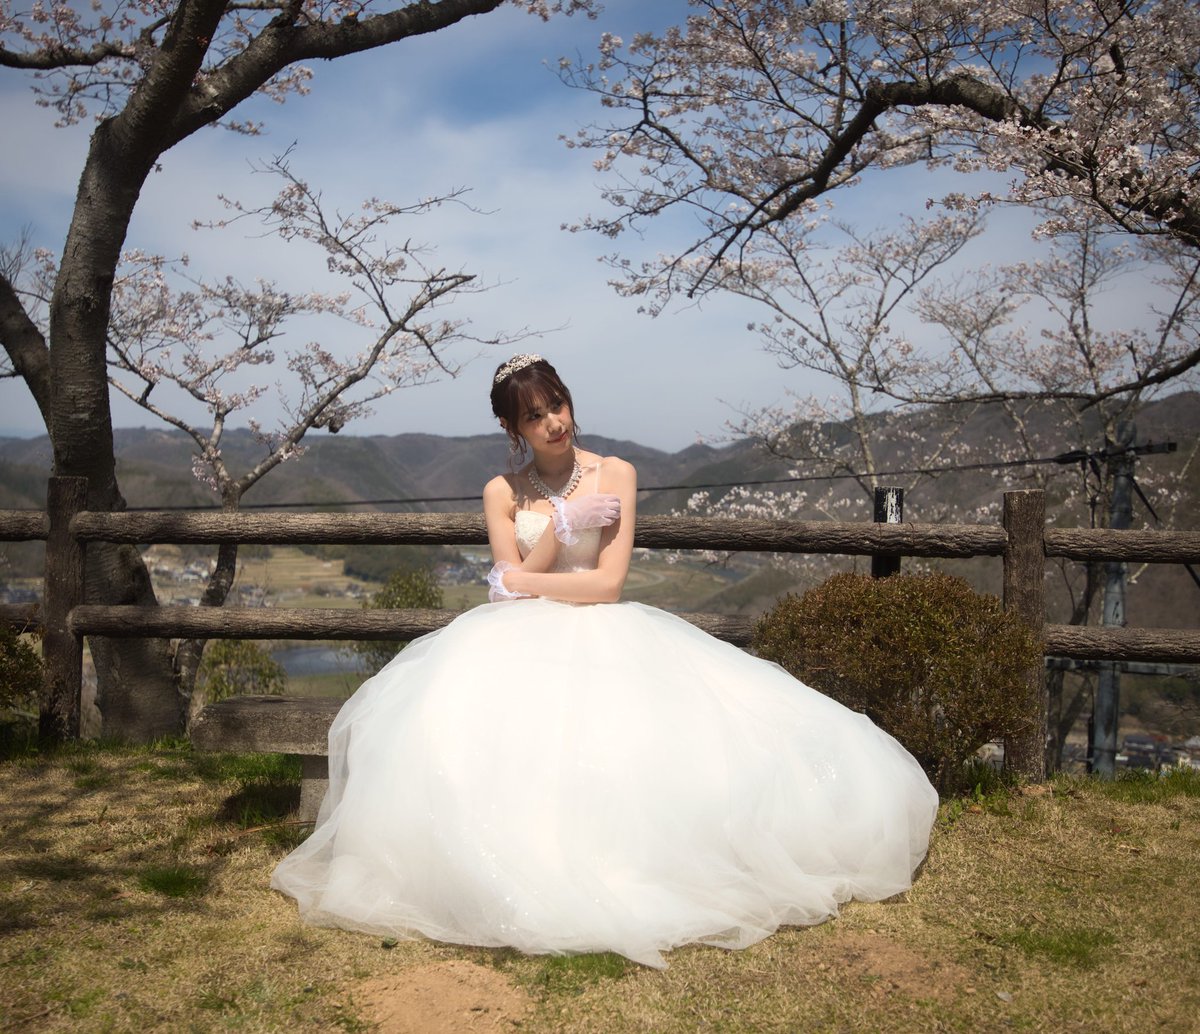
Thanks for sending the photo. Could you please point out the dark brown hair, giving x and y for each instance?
(528, 388)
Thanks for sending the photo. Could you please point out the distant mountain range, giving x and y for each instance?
(154, 465)
(447, 473)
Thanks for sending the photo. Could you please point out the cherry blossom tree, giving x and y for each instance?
(174, 339)
(151, 73)
(756, 109)
(1026, 347)
(753, 118)
(833, 311)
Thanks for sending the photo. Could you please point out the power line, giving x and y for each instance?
(1082, 456)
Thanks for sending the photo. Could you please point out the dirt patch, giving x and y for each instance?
(893, 968)
(442, 998)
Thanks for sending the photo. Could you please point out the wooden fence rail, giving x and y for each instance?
(1101, 643)
(923, 540)
(1022, 540)
(23, 526)
(1149, 547)
(464, 529)
(168, 622)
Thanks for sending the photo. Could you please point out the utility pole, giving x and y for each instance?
(1120, 459)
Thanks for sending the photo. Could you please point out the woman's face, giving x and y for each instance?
(546, 425)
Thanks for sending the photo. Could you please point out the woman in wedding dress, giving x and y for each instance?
(559, 772)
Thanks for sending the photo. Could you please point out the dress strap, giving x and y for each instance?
(598, 473)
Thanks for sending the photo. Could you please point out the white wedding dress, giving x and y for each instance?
(575, 778)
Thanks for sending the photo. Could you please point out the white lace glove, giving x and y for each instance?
(496, 589)
(588, 511)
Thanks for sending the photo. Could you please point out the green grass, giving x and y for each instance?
(573, 974)
(1145, 787)
(174, 881)
(1075, 946)
(246, 768)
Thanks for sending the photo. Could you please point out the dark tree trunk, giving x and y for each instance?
(136, 690)
(136, 687)
(190, 652)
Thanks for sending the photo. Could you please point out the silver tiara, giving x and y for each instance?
(517, 362)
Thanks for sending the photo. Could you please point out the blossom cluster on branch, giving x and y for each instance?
(88, 58)
(756, 109)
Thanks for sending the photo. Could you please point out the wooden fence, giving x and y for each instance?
(1022, 540)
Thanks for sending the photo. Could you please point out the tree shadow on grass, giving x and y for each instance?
(259, 804)
(65, 862)
(65, 888)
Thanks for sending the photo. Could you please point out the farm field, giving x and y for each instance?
(290, 577)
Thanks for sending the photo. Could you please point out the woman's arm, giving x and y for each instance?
(498, 510)
(604, 583)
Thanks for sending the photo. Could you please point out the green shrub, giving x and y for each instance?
(926, 658)
(20, 689)
(20, 673)
(233, 667)
(415, 589)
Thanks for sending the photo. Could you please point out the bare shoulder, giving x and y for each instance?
(618, 472)
(499, 492)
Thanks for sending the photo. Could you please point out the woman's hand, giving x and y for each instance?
(589, 511)
(496, 588)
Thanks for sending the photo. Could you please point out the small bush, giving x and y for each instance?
(923, 656)
(20, 673)
(20, 688)
(416, 589)
(232, 667)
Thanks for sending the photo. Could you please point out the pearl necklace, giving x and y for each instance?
(545, 490)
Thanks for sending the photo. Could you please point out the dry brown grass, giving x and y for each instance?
(133, 896)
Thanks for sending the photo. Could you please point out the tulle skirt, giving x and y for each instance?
(563, 778)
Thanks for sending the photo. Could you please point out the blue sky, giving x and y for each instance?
(476, 106)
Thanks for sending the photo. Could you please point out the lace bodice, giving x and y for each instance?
(580, 557)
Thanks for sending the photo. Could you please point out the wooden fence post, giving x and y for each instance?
(889, 509)
(62, 650)
(1024, 593)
